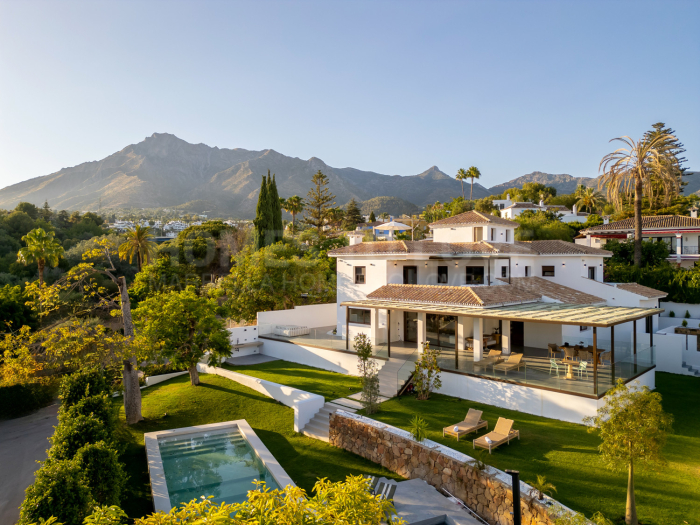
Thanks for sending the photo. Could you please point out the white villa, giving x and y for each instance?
(679, 232)
(512, 210)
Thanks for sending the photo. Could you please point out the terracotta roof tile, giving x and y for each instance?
(559, 247)
(433, 248)
(474, 296)
(649, 222)
(472, 217)
(553, 290)
(644, 291)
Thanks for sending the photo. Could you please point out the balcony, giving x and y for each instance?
(685, 250)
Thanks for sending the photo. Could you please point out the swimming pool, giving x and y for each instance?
(219, 460)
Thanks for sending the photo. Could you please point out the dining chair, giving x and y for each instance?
(553, 366)
(582, 367)
(570, 352)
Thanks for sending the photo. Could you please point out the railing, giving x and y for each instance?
(404, 373)
(685, 250)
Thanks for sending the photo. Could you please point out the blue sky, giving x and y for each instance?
(394, 87)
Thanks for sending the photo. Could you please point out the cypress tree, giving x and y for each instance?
(262, 216)
(372, 218)
(276, 208)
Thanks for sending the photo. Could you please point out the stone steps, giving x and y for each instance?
(692, 370)
(319, 426)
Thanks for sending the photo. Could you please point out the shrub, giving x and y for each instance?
(672, 314)
(160, 369)
(687, 314)
(102, 472)
(58, 490)
(97, 406)
(418, 428)
(18, 400)
(73, 433)
(80, 384)
(684, 323)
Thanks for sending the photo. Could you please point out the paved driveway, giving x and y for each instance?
(23, 441)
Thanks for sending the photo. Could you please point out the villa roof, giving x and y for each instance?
(649, 222)
(554, 247)
(559, 247)
(520, 205)
(473, 296)
(552, 290)
(644, 291)
(472, 217)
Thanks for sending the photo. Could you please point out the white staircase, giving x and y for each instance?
(691, 369)
(390, 375)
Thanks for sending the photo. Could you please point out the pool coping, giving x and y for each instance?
(159, 487)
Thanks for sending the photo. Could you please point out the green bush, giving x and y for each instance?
(102, 472)
(59, 490)
(672, 314)
(687, 314)
(18, 400)
(73, 433)
(81, 384)
(98, 406)
(160, 369)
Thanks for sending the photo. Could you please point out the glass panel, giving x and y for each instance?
(432, 329)
(442, 274)
(410, 322)
(446, 336)
(475, 275)
(410, 275)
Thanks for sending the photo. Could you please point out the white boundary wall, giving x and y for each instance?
(679, 309)
(313, 316)
(154, 380)
(305, 404)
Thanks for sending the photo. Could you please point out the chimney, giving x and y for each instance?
(693, 212)
(606, 219)
(508, 196)
(573, 209)
(541, 202)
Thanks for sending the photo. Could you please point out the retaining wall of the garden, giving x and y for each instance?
(488, 492)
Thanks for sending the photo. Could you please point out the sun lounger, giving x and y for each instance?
(372, 483)
(472, 422)
(493, 358)
(514, 362)
(503, 433)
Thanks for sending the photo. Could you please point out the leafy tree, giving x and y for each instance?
(633, 428)
(458, 205)
(335, 217)
(275, 278)
(138, 244)
(165, 274)
(183, 326)
(461, 175)
(673, 149)
(28, 208)
(41, 249)
(473, 173)
(46, 212)
(434, 212)
(319, 201)
(14, 311)
(426, 377)
(541, 225)
(654, 253)
(18, 223)
(486, 205)
(353, 215)
(293, 205)
(645, 167)
(372, 218)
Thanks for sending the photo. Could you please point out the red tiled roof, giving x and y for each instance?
(474, 296)
(558, 247)
(644, 291)
(649, 222)
(472, 217)
(553, 290)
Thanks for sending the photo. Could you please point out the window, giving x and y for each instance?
(504, 271)
(493, 234)
(507, 235)
(442, 275)
(528, 271)
(358, 316)
(582, 328)
(548, 271)
(475, 275)
(410, 275)
(478, 233)
(360, 275)
(591, 272)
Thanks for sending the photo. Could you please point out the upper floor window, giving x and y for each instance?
(504, 271)
(493, 234)
(475, 275)
(360, 275)
(591, 272)
(507, 235)
(442, 275)
(548, 271)
(478, 233)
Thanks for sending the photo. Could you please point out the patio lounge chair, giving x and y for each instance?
(472, 422)
(503, 433)
(372, 483)
(494, 357)
(514, 362)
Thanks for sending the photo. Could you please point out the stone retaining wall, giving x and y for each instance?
(490, 497)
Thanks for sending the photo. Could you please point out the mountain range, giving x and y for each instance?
(163, 171)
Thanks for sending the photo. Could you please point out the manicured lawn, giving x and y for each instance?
(567, 454)
(176, 404)
(327, 384)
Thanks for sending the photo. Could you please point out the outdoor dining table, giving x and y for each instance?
(570, 367)
(584, 349)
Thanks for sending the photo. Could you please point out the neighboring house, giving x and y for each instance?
(680, 233)
(562, 212)
(502, 203)
(122, 226)
(175, 226)
(389, 230)
(473, 289)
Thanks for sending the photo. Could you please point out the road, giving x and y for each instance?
(23, 442)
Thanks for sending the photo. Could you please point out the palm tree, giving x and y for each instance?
(473, 173)
(589, 198)
(461, 175)
(637, 170)
(138, 244)
(293, 205)
(541, 487)
(42, 249)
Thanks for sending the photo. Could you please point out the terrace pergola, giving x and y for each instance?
(594, 316)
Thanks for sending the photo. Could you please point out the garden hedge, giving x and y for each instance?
(18, 400)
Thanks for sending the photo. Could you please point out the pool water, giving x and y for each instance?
(220, 464)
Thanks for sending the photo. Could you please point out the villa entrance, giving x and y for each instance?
(440, 330)
(410, 323)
